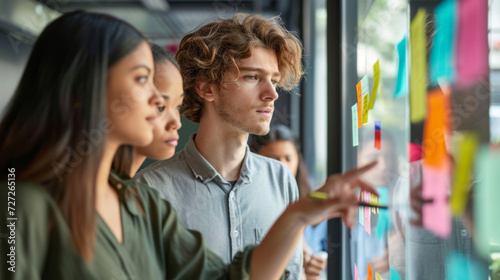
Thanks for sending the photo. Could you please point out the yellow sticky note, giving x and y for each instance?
(465, 150)
(418, 77)
(376, 80)
(366, 98)
(377, 276)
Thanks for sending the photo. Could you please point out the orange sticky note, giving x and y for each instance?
(434, 148)
(360, 104)
(370, 272)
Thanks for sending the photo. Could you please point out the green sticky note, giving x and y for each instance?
(355, 139)
(486, 201)
(418, 79)
(465, 151)
(376, 80)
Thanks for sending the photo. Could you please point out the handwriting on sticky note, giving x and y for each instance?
(418, 79)
(360, 104)
(376, 80)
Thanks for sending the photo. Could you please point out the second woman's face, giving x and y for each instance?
(283, 151)
(168, 81)
(132, 99)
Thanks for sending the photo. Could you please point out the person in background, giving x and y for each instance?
(282, 145)
(89, 83)
(168, 81)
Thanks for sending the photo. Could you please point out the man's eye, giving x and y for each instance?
(251, 77)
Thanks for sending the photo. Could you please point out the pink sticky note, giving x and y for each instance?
(472, 42)
(368, 227)
(436, 215)
(356, 274)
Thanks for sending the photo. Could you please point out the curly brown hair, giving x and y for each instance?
(208, 52)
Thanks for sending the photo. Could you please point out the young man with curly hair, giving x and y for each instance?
(231, 69)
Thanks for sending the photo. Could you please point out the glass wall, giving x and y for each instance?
(418, 81)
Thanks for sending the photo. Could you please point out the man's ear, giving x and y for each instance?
(205, 90)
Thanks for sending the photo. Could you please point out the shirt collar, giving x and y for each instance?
(125, 189)
(204, 171)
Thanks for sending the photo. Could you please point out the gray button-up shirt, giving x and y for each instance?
(230, 218)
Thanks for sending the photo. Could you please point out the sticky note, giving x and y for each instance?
(418, 78)
(383, 216)
(365, 96)
(460, 267)
(436, 216)
(356, 274)
(465, 151)
(402, 78)
(373, 200)
(442, 58)
(366, 198)
(355, 136)
(472, 42)
(486, 200)
(370, 272)
(376, 80)
(365, 108)
(377, 276)
(360, 104)
(394, 274)
(434, 148)
(378, 135)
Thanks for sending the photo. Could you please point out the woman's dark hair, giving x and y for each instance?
(122, 162)
(283, 133)
(54, 127)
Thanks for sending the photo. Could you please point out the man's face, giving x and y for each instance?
(246, 101)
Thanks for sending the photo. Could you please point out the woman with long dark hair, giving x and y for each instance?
(86, 91)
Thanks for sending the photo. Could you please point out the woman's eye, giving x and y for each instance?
(142, 79)
(161, 109)
(179, 107)
(274, 82)
(251, 77)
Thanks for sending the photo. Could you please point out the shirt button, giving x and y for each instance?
(235, 233)
(463, 233)
(119, 186)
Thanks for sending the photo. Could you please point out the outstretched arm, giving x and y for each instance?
(269, 259)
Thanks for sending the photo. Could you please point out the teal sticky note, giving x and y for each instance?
(460, 267)
(355, 137)
(383, 215)
(486, 196)
(442, 53)
(402, 78)
(394, 274)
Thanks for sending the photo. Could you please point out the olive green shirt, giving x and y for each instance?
(155, 245)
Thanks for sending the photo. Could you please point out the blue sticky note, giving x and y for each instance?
(402, 78)
(442, 53)
(383, 215)
(377, 125)
(355, 136)
(460, 267)
(394, 274)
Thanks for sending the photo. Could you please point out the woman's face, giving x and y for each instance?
(283, 151)
(132, 99)
(168, 81)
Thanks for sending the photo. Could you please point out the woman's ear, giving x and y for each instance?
(205, 90)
